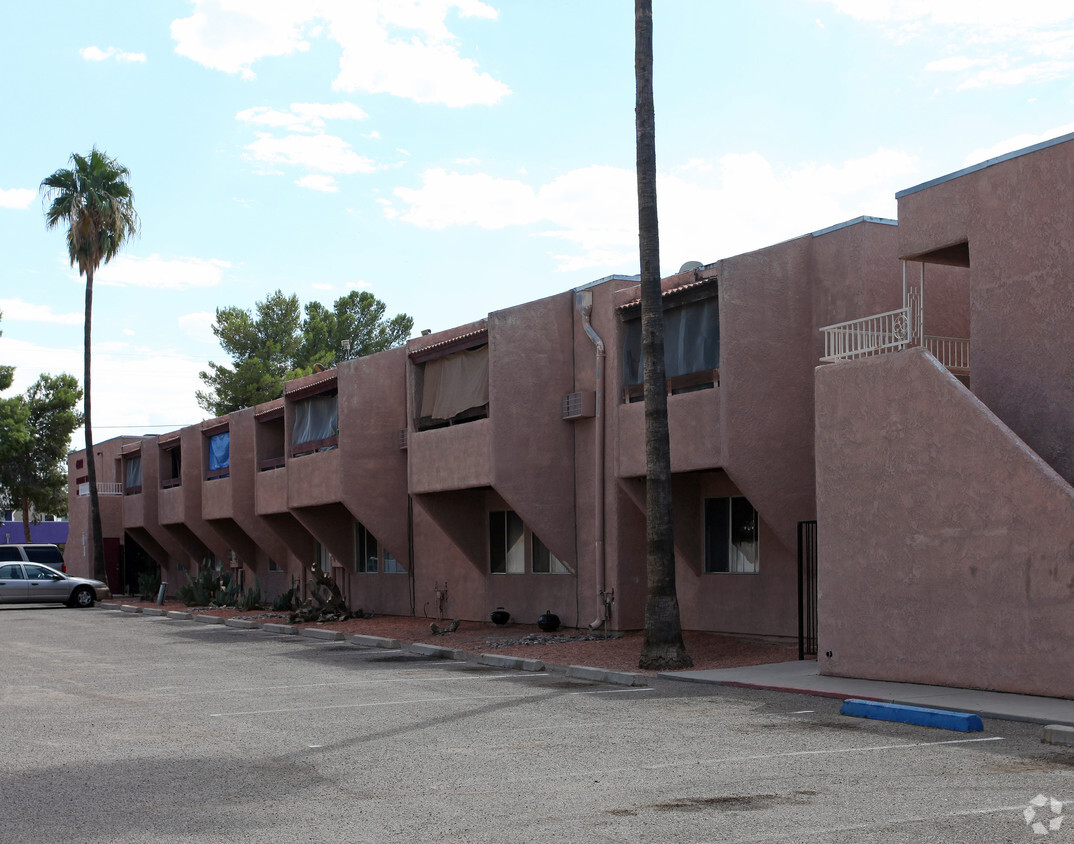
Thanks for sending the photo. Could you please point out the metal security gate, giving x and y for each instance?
(807, 589)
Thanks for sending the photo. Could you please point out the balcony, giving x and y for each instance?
(102, 488)
(891, 332)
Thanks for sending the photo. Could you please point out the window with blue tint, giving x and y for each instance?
(732, 531)
(691, 347)
(219, 454)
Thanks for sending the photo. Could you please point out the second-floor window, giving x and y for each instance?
(691, 347)
(453, 389)
(316, 426)
(219, 455)
(132, 474)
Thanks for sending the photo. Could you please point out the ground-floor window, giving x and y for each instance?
(508, 547)
(370, 556)
(322, 557)
(731, 536)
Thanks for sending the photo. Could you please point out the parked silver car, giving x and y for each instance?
(33, 583)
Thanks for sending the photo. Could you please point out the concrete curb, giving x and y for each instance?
(180, 615)
(372, 641)
(517, 663)
(321, 633)
(1058, 734)
(153, 611)
(129, 608)
(601, 675)
(280, 628)
(208, 619)
(242, 623)
(437, 650)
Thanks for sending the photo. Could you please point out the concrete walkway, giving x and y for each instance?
(804, 676)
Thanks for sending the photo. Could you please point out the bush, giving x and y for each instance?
(286, 601)
(149, 585)
(251, 600)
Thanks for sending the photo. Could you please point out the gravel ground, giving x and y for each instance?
(566, 647)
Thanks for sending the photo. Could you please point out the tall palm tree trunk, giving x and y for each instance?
(99, 571)
(662, 647)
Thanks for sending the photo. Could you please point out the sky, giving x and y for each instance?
(456, 157)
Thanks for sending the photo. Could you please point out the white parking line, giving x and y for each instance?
(165, 690)
(410, 702)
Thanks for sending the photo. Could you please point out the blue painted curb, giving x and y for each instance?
(964, 722)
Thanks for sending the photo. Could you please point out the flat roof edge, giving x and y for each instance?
(613, 277)
(884, 221)
(1062, 139)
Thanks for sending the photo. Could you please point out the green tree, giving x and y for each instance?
(36, 477)
(273, 343)
(14, 428)
(662, 646)
(93, 199)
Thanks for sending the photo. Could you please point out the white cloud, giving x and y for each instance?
(16, 197)
(318, 182)
(740, 201)
(166, 382)
(402, 49)
(326, 153)
(1010, 43)
(159, 273)
(302, 117)
(96, 54)
(199, 326)
(1015, 143)
(18, 310)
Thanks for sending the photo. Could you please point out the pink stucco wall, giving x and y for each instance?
(1016, 216)
(945, 541)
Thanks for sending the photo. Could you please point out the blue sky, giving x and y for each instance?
(459, 156)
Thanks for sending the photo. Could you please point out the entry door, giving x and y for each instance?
(13, 587)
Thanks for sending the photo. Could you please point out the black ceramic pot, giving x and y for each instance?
(549, 622)
(500, 616)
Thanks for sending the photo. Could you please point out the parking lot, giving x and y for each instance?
(125, 728)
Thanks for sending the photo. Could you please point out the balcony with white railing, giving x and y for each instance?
(893, 331)
(102, 488)
(868, 336)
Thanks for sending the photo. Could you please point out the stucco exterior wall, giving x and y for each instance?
(1016, 216)
(945, 541)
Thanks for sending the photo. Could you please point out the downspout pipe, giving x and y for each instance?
(584, 302)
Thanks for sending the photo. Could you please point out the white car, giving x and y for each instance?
(34, 583)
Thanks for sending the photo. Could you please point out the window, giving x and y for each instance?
(691, 347)
(38, 573)
(370, 556)
(132, 474)
(731, 536)
(273, 565)
(48, 554)
(316, 425)
(543, 560)
(12, 571)
(507, 551)
(171, 466)
(322, 558)
(219, 455)
(453, 389)
(509, 539)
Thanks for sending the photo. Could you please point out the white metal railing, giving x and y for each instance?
(952, 352)
(102, 488)
(871, 335)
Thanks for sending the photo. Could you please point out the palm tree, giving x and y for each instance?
(662, 647)
(94, 200)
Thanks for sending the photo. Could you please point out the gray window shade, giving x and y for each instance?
(455, 383)
(132, 472)
(316, 419)
(691, 341)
